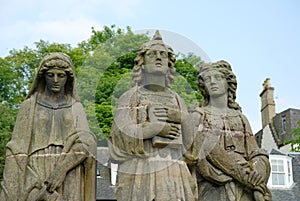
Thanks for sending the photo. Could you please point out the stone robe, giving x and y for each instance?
(150, 169)
(42, 138)
(224, 145)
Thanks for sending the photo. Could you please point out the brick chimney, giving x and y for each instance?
(267, 103)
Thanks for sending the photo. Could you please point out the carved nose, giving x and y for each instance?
(213, 79)
(55, 78)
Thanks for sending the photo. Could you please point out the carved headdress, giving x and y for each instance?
(225, 68)
(137, 78)
(55, 60)
(156, 40)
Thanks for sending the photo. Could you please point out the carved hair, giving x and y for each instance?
(224, 68)
(57, 60)
(138, 74)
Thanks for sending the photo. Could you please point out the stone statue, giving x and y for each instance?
(229, 164)
(51, 155)
(151, 131)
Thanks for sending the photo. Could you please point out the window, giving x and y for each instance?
(283, 121)
(114, 170)
(277, 172)
(98, 173)
(289, 171)
(281, 171)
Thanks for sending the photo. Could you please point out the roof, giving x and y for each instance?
(276, 152)
(104, 191)
(102, 155)
(292, 194)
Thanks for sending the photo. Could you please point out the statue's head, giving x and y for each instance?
(150, 51)
(54, 61)
(225, 70)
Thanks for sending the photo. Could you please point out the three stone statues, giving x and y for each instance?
(163, 151)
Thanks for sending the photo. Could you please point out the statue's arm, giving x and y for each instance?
(259, 159)
(251, 172)
(259, 164)
(194, 139)
(77, 147)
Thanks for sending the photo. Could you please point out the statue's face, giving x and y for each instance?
(55, 79)
(156, 60)
(215, 82)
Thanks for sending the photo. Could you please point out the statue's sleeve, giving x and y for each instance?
(14, 184)
(186, 125)
(200, 146)
(196, 116)
(82, 137)
(81, 146)
(125, 140)
(22, 129)
(258, 157)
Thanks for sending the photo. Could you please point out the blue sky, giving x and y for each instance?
(258, 38)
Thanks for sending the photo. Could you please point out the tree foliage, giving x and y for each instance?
(185, 84)
(7, 121)
(295, 143)
(103, 66)
(107, 63)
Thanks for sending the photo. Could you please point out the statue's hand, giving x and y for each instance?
(170, 131)
(160, 113)
(252, 177)
(258, 196)
(249, 178)
(46, 195)
(255, 178)
(190, 159)
(55, 179)
(174, 115)
(167, 114)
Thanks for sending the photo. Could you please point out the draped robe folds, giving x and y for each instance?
(43, 137)
(148, 172)
(222, 144)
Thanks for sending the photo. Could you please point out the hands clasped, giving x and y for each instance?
(169, 115)
(250, 176)
(171, 119)
(55, 179)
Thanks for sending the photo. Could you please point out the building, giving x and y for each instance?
(276, 127)
(105, 176)
(284, 181)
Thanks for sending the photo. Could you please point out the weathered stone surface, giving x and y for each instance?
(229, 164)
(51, 155)
(151, 130)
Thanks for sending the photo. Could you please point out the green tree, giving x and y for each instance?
(186, 84)
(295, 143)
(109, 62)
(103, 66)
(7, 121)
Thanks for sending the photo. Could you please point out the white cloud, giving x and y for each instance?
(67, 21)
(66, 30)
(25, 33)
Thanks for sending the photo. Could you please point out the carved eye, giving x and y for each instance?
(50, 74)
(206, 79)
(62, 75)
(151, 54)
(218, 77)
(163, 54)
